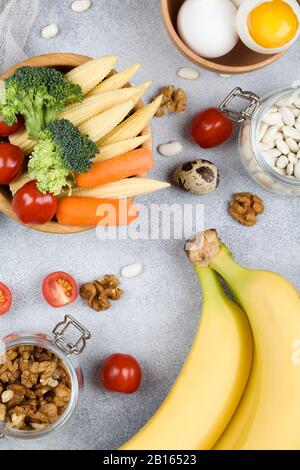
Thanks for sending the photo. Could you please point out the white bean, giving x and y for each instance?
(262, 130)
(274, 109)
(282, 162)
(282, 146)
(273, 153)
(270, 134)
(297, 125)
(273, 119)
(187, 73)
(297, 170)
(81, 5)
(290, 132)
(279, 135)
(293, 146)
(131, 270)
(292, 158)
(296, 100)
(170, 149)
(287, 116)
(290, 169)
(287, 101)
(298, 154)
(265, 147)
(280, 171)
(295, 111)
(49, 31)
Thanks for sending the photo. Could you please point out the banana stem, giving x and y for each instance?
(211, 287)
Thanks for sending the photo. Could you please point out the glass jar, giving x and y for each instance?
(63, 349)
(251, 155)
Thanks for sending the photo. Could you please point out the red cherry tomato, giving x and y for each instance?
(33, 207)
(210, 128)
(5, 299)
(59, 289)
(6, 130)
(121, 373)
(11, 162)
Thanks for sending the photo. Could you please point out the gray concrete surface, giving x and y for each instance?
(158, 316)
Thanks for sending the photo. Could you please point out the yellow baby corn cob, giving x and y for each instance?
(89, 74)
(100, 125)
(19, 182)
(93, 105)
(21, 139)
(116, 81)
(129, 187)
(114, 150)
(80, 112)
(133, 125)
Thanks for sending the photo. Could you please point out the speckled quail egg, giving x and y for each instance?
(268, 26)
(197, 177)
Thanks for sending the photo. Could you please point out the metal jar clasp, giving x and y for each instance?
(63, 343)
(234, 115)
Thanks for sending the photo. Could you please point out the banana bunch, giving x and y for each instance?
(240, 385)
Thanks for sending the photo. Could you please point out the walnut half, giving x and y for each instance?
(173, 101)
(98, 293)
(244, 208)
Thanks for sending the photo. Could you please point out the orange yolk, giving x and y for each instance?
(272, 24)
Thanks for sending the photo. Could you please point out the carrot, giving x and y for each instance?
(129, 164)
(92, 212)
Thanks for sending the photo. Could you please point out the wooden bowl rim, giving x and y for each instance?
(54, 60)
(206, 63)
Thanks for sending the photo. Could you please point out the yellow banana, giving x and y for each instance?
(211, 383)
(268, 415)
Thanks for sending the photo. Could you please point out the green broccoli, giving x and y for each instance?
(62, 149)
(39, 94)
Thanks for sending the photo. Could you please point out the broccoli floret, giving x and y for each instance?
(39, 94)
(62, 149)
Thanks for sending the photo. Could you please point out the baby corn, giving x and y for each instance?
(116, 81)
(114, 150)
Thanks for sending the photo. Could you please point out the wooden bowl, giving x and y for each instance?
(239, 60)
(63, 62)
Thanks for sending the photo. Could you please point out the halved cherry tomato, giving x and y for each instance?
(210, 128)
(5, 299)
(32, 206)
(121, 373)
(11, 162)
(6, 130)
(59, 289)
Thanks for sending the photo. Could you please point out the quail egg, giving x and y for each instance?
(197, 177)
(268, 26)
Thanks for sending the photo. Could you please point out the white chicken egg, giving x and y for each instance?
(208, 27)
(268, 26)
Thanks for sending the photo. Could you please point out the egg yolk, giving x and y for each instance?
(272, 24)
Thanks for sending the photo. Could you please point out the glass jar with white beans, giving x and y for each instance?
(269, 141)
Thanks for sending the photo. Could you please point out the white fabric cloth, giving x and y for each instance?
(16, 19)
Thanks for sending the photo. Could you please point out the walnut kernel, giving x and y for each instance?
(244, 208)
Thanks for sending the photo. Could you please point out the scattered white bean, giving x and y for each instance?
(49, 31)
(292, 158)
(270, 134)
(290, 132)
(170, 149)
(81, 5)
(287, 116)
(290, 169)
(224, 75)
(282, 162)
(273, 119)
(297, 170)
(131, 270)
(293, 146)
(282, 146)
(187, 73)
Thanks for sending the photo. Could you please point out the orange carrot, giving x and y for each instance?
(129, 164)
(90, 212)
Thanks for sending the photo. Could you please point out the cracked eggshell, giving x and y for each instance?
(198, 176)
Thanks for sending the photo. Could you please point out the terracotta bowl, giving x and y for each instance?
(63, 62)
(239, 60)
